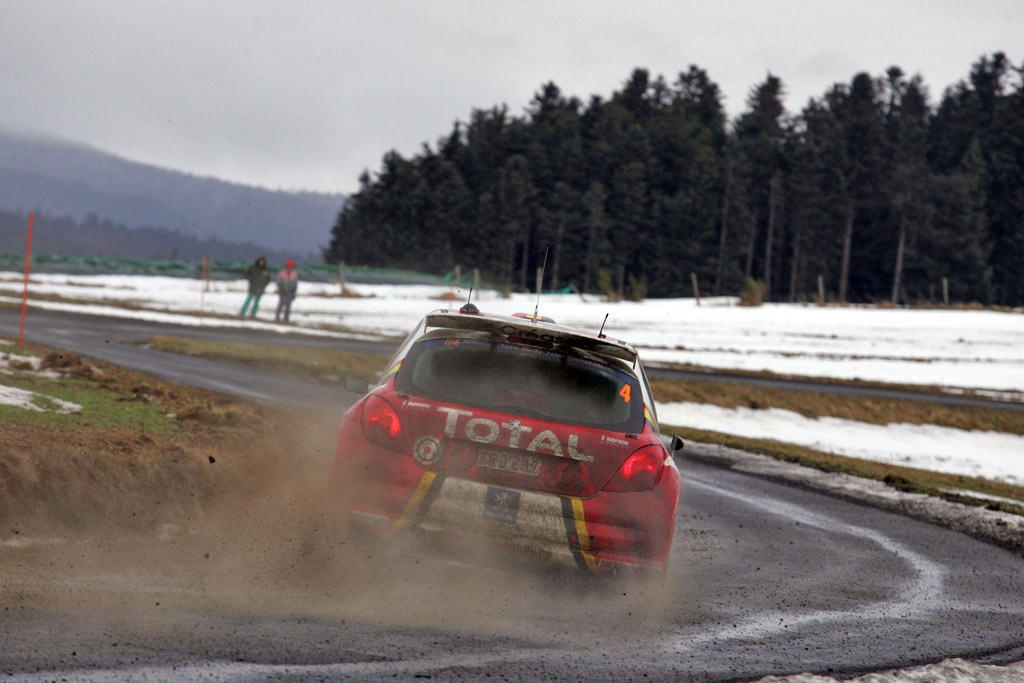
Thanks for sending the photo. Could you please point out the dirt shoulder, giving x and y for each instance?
(95, 444)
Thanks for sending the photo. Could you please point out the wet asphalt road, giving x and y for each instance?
(767, 578)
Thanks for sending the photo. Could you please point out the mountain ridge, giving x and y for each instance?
(66, 178)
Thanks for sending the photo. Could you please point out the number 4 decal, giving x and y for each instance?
(624, 393)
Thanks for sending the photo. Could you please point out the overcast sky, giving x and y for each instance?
(306, 95)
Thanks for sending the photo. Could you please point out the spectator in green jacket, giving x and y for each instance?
(258, 276)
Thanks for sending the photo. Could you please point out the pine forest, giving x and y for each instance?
(871, 193)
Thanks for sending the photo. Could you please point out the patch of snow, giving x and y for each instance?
(994, 455)
(33, 363)
(30, 400)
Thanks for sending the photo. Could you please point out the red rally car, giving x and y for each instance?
(518, 434)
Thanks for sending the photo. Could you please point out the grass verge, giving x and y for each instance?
(324, 364)
(767, 374)
(102, 398)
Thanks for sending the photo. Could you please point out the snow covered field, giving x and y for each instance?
(957, 350)
(965, 349)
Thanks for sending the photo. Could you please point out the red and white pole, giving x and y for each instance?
(24, 295)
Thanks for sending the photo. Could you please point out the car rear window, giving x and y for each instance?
(523, 380)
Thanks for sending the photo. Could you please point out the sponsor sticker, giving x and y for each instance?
(484, 430)
(427, 450)
(502, 505)
(415, 404)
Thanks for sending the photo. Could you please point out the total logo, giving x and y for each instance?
(483, 430)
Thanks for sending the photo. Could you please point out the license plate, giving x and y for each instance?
(519, 463)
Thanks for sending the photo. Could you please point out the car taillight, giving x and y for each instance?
(640, 472)
(381, 424)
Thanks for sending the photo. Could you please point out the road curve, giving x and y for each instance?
(767, 579)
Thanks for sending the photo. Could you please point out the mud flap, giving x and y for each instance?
(576, 534)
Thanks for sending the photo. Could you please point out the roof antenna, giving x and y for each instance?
(600, 334)
(469, 308)
(540, 281)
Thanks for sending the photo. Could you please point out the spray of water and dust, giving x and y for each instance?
(275, 541)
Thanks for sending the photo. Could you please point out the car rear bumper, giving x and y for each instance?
(610, 533)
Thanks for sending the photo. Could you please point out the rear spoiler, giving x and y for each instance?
(539, 331)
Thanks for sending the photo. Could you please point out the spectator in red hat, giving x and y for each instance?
(287, 286)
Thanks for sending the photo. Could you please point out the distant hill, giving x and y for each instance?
(60, 178)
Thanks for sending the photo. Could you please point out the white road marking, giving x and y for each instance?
(919, 595)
